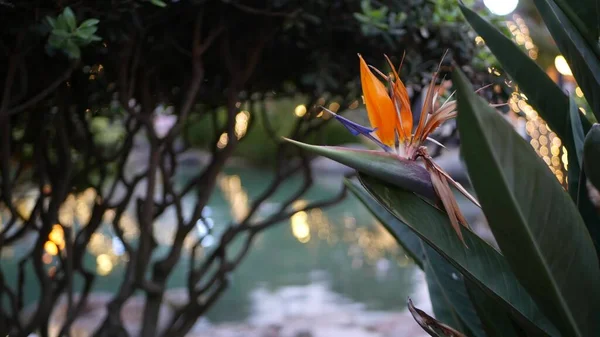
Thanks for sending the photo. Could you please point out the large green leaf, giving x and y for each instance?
(385, 166)
(480, 262)
(440, 303)
(580, 55)
(591, 155)
(447, 287)
(577, 178)
(576, 129)
(542, 93)
(533, 219)
(585, 15)
(494, 318)
(403, 235)
(449, 298)
(546, 97)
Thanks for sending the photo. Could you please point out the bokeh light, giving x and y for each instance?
(501, 7)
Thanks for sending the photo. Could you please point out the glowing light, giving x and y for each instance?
(104, 265)
(520, 33)
(51, 248)
(223, 140)
(545, 142)
(300, 110)
(501, 7)
(562, 66)
(578, 92)
(300, 228)
(241, 123)
(57, 236)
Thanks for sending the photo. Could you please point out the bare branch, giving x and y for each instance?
(44, 93)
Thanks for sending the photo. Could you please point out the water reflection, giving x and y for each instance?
(358, 258)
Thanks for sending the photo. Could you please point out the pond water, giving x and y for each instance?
(341, 248)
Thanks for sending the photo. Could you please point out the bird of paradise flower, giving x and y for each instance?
(392, 128)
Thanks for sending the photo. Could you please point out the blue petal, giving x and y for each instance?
(357, 129)
(354, 128)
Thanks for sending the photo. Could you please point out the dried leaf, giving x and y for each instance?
(439, 180)
(456, 184)
(432, 326)
(445, 194)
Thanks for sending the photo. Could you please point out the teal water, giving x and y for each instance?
(342, 245)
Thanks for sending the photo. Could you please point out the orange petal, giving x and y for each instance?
(380, 108)
(401, 95)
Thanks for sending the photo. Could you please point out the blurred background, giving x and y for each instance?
(146, 190)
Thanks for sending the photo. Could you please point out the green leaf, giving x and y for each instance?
(69, 18)
(582, 59)
(480, 262)
(89, 23)
(362, 18)
(537, 226)
(542, 93)
(55, 41)
(385, 166)
(495, 319)
(591, 155)
(60, 32)
(85, 33)
(403, 235)
(72, 50)
(577, 178)
(158, 3)
(51, 21)
(441, 305)
(450, 300)
(61, 23)
(446, 286)
(576, 129)
(585, 15)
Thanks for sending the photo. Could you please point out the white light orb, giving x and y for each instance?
(562, 66)
(501, 7)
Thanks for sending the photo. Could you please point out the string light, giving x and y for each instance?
(543, 140)
(520, 32)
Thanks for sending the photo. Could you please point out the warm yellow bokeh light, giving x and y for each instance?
(51, 248)
(300, 227)
(104, 265)
(300, 110)
(562, 66)
(223, 140)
